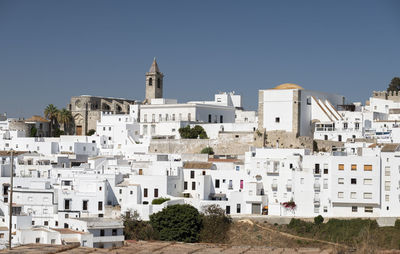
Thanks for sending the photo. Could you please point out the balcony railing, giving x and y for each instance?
(317, 186)
(107, 146)
(110, 238)
(317, 201)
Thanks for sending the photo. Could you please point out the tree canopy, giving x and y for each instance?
(64, 117)
(51, 113)
(394, 85)
(193, 133)
(208, 150)
(177, 223)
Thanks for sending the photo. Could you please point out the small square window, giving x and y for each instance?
(367, 181)
(277, 119)
(368, 209)
(367, 167)
(367, 195)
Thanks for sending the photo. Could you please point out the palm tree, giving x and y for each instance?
(51, 112)
(64, 117)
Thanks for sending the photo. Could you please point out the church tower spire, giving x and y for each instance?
(154, 82)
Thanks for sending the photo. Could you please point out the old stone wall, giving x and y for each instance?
(283, 139)
(229, 143)
(326, 145)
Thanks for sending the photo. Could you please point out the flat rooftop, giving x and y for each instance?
(96, 222)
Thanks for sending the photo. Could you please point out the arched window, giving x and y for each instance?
(158, 83)
(150, 81)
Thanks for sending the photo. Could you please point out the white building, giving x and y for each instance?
(290, 108)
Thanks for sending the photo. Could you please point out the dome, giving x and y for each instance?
(288, 86)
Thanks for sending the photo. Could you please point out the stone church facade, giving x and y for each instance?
(86, 110)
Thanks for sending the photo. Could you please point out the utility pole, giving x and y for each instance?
(10, 201)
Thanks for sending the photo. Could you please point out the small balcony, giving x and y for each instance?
(114, 238)
(273, 168)
(317, 201)
(317, 186)
(107, 146)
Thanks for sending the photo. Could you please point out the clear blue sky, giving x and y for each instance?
(52, 50)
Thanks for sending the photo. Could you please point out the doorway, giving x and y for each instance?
(79, 130)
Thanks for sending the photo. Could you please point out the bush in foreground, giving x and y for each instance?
(216, 225)
(318, 220)
(136, 229)
(159, 201)
(177, 223)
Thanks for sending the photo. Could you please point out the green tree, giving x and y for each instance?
(394, 85)
(90, 132)
(57, 132)
(177, 223)
(159, 201)
(33, 131)
(208, 150)
(64, 117)
(216, 225)
(51, 112)
(136, 229)
(315, 146)
(318, 220)
(193, 133)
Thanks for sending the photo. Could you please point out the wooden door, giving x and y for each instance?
(79, 130)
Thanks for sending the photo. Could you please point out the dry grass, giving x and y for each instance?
(248, 233)
(245, 233)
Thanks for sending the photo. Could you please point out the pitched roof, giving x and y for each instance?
(223, 160)
(390, 148)
(37, 119)
(285, 86)
(8, 153)
(154, 67)
(197, 165)
(68, 231)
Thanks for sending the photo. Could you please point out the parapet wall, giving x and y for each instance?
(387, 95)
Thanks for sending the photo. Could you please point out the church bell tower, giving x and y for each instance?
(154, 82)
